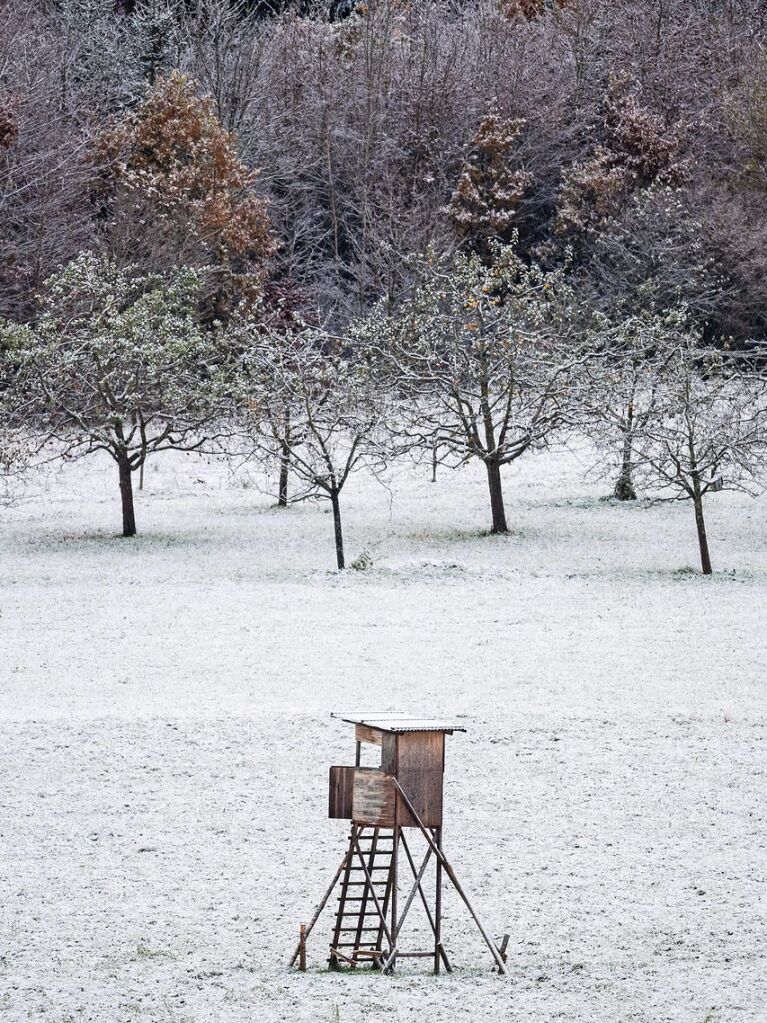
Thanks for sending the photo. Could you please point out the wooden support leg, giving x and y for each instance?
(438, 950)
(302, 949)
(342, 866)
(453, 879)
(389, 966)
(503, 946)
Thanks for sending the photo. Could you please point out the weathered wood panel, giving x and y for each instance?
(373, 798)
(363, 733)
(420, 761)
(341, 789)
(389, 752)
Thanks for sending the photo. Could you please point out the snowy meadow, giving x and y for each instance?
(166, 737)
(266, 268)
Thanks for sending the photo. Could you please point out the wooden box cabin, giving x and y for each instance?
(413, 753)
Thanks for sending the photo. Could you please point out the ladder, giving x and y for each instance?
(360, 933)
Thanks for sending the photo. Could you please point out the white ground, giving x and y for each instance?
(165, 729)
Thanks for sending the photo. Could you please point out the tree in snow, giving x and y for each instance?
(483, 357)
(174, 192)
(315, 402)
(117, 362)
(615, 394)
(490, 188)
(706, 429)
(637, 149)
(17, 446)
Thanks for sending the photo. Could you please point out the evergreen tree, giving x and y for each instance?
(486, 200)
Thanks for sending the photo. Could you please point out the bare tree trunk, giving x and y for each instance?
(282, 498)
(126, 496)
(141, 476)
(624, 485)
(700, 523)
(496, 498)
(337, 527)
(434, 463)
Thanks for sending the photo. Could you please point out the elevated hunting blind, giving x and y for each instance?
(386, 804)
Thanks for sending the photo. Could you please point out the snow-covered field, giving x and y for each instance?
(164, 715)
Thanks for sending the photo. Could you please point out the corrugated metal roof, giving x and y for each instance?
(402, 723)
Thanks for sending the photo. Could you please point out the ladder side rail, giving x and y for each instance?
(342, 901)
(367, 888)
(386, 900)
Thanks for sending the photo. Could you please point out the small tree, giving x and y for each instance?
(117, 362)
(647, 260)
(314, 401)
(707, 428)
(486, 200)
(637, 150)
(616, 394)
(171, 165)
(483, 358)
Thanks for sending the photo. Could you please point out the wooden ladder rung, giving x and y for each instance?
(360, 916)
(355, 898)
(359, 948)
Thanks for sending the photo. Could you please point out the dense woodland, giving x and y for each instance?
(329, 235)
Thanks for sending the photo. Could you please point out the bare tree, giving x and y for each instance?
(483, 358)
(647, 259)
(616, 395)
(312, 400)
(707, 429)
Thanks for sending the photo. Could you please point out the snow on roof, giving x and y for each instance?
(402, 723)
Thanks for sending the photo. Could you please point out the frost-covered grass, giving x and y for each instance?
(164, 708)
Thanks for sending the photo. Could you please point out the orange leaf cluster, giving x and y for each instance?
(486, 199)
(9, 128)
(637, 151)
(529, 9)
(175, 157)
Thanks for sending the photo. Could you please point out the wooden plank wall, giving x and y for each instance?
(420, 764)
(340, 795)
(366, 794)
(363, 733)
(373, 800)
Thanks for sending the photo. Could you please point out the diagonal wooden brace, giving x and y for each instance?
(418, 886)
(319, 909)
(455, 882)
(379, 910)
